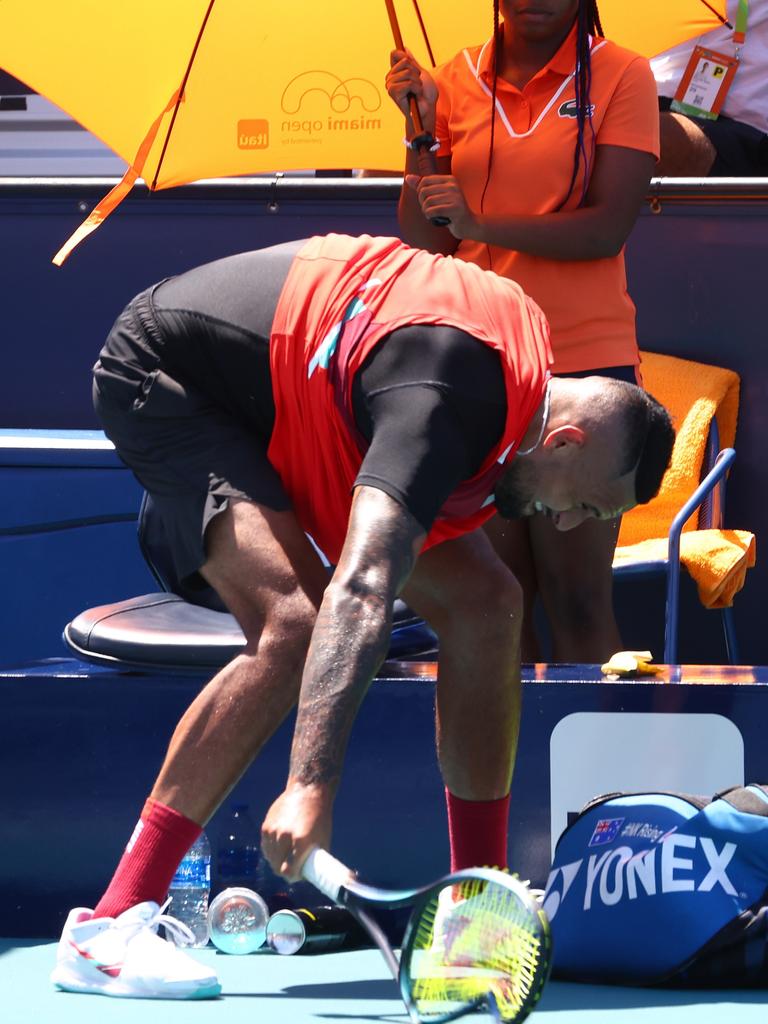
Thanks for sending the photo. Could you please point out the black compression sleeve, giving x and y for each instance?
(431, 401)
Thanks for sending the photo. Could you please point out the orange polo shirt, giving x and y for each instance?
(591, 315)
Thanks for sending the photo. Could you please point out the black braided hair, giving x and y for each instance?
(588, 24)
(496, 50)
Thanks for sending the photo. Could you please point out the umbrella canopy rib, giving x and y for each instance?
(180, 97)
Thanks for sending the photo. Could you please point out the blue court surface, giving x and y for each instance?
(352, 988)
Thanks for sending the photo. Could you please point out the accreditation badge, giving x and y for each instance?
(705, 83)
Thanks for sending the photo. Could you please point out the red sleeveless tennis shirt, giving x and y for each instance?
(341, 297)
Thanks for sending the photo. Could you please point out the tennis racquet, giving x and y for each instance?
(475, 939)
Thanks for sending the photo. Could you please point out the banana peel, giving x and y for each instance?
(630, 663)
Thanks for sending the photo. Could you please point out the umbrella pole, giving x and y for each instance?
(422, 141)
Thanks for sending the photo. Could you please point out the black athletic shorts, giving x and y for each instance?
(185, 449)
(742, 151)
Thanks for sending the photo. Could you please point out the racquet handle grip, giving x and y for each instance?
(325, 872)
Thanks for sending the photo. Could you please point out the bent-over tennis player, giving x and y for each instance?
(386, 401)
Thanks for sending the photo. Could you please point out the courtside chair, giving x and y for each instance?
(184, 631)
(684, 524)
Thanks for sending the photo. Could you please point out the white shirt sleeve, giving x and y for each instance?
(747, 98)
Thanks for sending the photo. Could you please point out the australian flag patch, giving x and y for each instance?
(606, 831)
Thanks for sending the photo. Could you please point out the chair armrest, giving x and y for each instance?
(722, 464)
(712, 508)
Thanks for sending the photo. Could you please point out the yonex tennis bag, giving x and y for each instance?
(663, 888)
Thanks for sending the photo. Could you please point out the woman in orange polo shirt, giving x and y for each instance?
(548, 136)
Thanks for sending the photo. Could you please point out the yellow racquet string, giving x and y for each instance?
(496, 952)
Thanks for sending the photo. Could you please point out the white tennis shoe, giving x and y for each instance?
(125, 957)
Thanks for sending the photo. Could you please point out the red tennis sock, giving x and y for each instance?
(478, 832)
(161, 838)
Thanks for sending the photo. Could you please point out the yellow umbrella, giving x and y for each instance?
(190, 89)
(655, 25)
(648, 27)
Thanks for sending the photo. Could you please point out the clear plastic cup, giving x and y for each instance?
(237, 921)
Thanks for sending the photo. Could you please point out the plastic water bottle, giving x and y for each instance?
(190, 889)
(240, 863)
(238, 857)
(237, 921)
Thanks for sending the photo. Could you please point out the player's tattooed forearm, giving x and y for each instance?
(318, 753)
(345, 653)
(351, 635)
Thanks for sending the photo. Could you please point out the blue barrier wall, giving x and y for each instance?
(86, 745)
(696, 266)
(68, 510)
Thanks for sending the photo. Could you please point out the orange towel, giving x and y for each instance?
(716, 559)
(693, 392)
